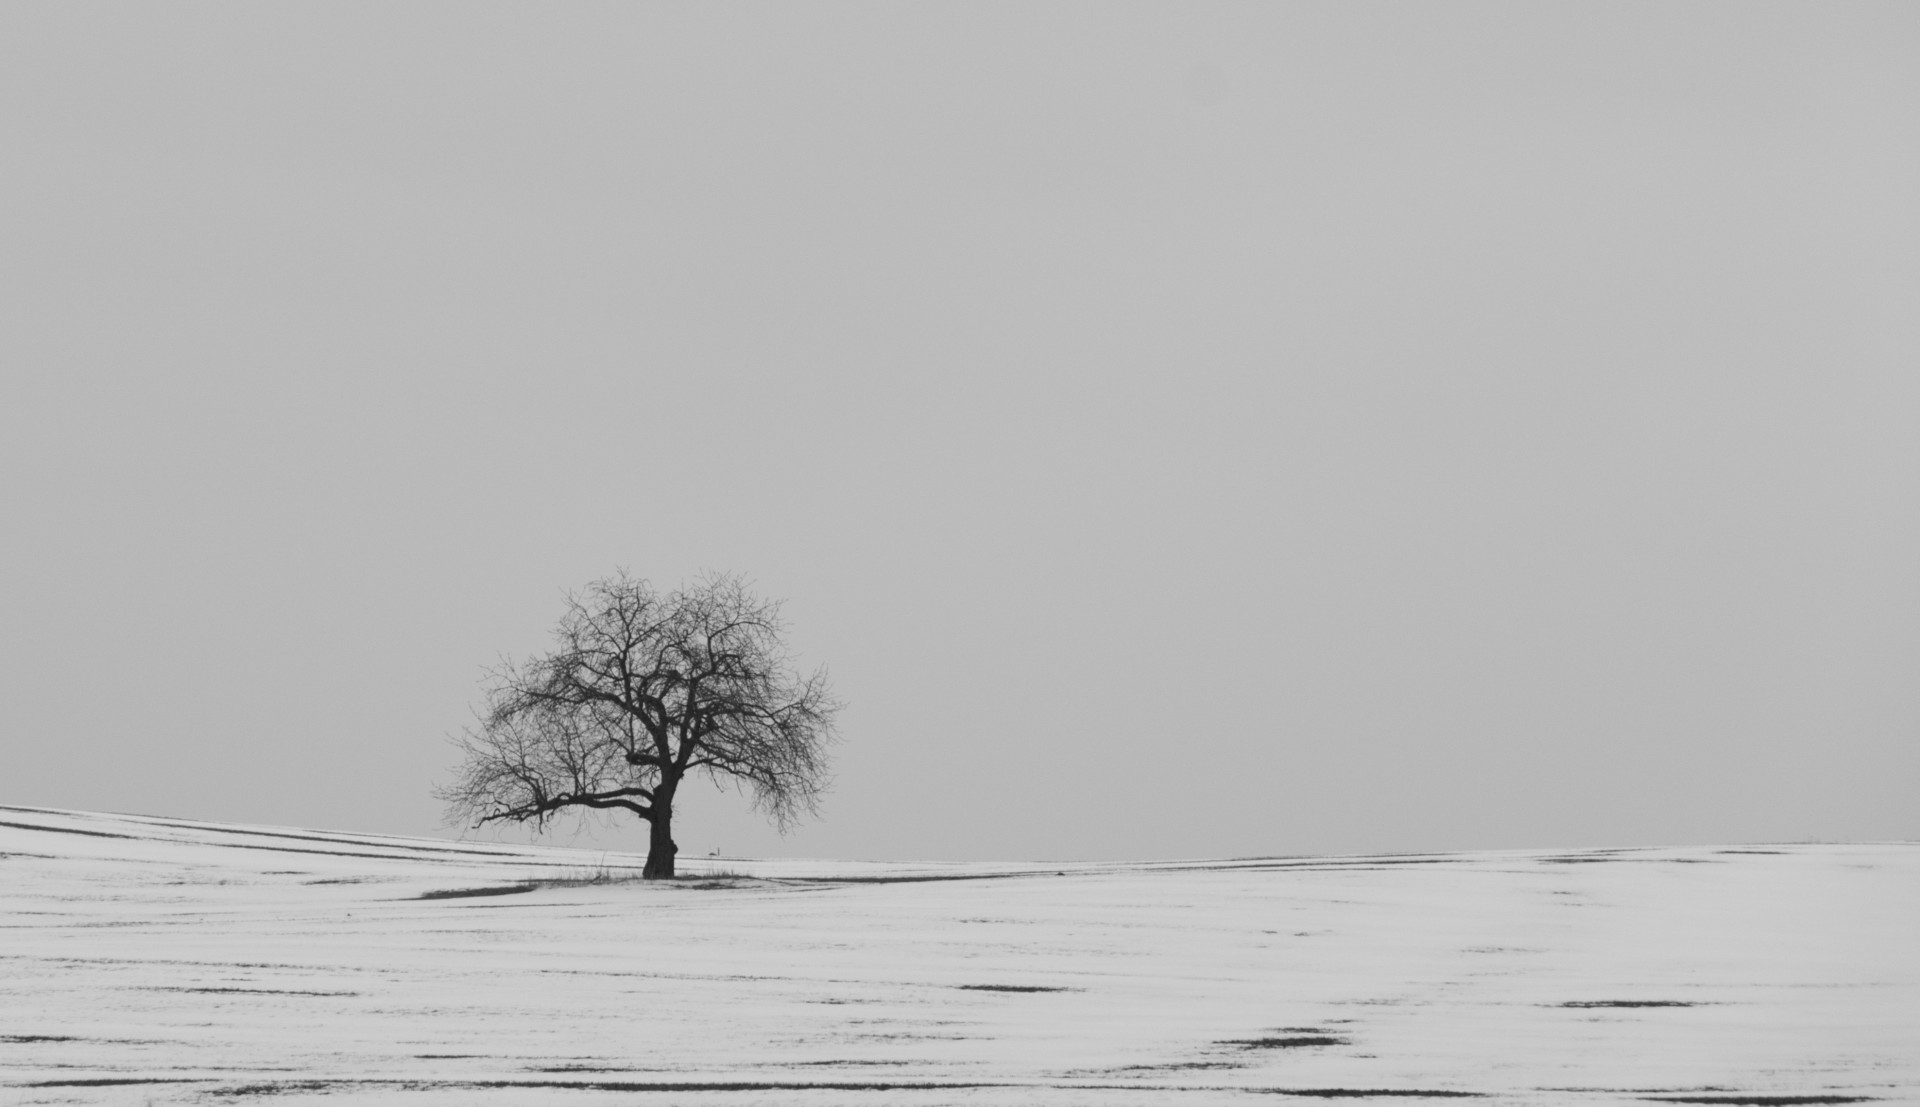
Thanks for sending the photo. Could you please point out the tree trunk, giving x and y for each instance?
(660, 847)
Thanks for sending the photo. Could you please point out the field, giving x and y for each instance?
(155, 961)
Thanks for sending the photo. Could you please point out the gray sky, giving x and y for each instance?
(1184, 430)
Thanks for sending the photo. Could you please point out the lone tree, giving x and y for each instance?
(640, 690)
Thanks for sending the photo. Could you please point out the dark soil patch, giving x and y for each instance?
(469, 893)
(1300, 1042)
(65, 830)
(586, 1068)
(1265, 865)
(1370, 1093)
(921, 879)
(764, 1086)
(242, 845)
(255, 991)
(24, 1039)
(110, 1081)
(345, 840)
(730, 1085)
(1759, 1100)
(573, 1085)
(1639, 860)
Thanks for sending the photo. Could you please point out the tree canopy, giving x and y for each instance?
(642, 689)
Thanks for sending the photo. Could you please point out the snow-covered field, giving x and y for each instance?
(160, 961)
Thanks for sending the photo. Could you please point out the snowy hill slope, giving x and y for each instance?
(160, 961)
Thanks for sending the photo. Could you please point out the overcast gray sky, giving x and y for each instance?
(1185, 429)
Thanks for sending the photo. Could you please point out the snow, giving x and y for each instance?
(162, 961)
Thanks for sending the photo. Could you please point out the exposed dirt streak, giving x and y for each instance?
(817, 1086)
(285, 1087)
(235, 845)
(189, 964)
(587, 1068)
(1700, 1090)
(1358, 864)
(851, 982)
(68, 830)
(604, 1086)
(24, 1039)
(928, 878)
(327, 852)
(403, 856)
(1363, 859)
(1628, 860)
(1355, 863)
(1370, 1093)
(247, 991)
(206, 828)
(468, 893)
(1759, 1100)
(353, 840)
(112, 1081)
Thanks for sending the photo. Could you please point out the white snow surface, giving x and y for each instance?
(159, 961)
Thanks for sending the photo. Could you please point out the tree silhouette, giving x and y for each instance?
(641, 690)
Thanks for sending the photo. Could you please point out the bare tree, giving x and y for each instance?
(641, 690)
